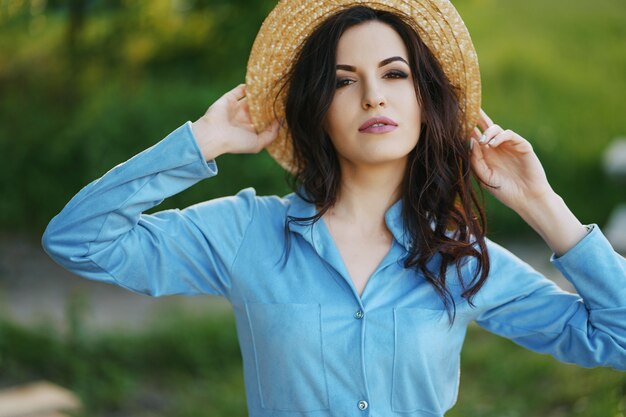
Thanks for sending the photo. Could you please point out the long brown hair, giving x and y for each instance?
(441, 211)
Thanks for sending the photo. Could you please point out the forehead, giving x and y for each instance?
(372, 40)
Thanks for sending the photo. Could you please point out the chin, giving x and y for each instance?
(389, 155)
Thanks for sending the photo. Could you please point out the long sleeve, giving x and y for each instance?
(102, 233)
(588, 328)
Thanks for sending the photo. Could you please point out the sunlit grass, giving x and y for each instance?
(192, 367)
(555, 72)
(499, 378)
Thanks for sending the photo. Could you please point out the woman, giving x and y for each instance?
(352, 296)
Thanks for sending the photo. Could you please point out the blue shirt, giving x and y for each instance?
(311, 346)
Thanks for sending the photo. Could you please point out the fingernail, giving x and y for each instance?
(483, 138)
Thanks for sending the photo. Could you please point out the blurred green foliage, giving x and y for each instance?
(77, 98)
(187, 366)
(85, 84)
(181, 367)
(555, 72)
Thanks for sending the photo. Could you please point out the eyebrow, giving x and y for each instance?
(382, 63)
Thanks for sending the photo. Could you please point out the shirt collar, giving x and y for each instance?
(301, 208)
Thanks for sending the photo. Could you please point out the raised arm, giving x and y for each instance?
(506, 163)
(588, 328)
(103, 234)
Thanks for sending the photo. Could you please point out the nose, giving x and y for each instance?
(373, 96)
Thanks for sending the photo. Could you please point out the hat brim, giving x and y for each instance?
(289, 24)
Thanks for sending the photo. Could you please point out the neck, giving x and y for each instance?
(366, 193)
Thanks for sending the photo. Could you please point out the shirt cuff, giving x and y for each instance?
(210, 164)
(595, 270)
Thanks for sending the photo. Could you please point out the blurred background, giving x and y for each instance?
(86, 84)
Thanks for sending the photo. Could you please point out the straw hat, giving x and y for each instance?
(287, 26)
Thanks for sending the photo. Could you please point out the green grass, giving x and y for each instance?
(555, 72)
(182, 367)
(192, 367)
(499, 378)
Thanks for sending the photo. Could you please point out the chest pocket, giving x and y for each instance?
(426, 360)
(289, 356)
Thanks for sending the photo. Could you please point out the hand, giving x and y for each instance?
(505, 161)
(227, 127)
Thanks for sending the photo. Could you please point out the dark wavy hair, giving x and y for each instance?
(441, 211)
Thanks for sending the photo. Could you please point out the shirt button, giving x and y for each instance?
(359, 315)
(363, 405)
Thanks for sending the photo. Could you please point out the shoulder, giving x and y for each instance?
(245, 206)
(501, 257)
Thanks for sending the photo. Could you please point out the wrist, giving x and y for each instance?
(540, 207)
(550, 217)
(210, 146)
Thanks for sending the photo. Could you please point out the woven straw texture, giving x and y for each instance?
(284, 30)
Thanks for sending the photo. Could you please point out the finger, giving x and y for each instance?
(268, 135)
(478, 163)
(475, 134)
(489, 134)
(484, 121)
(238, 93)
(487, 118)
(246, 109)
(240, 115)
(508, 136)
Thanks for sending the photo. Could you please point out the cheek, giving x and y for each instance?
(334, 117)
(412, 108)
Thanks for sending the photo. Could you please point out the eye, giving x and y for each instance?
(342, 82)
(396, 74)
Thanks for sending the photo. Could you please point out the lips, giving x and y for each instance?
(378, 125)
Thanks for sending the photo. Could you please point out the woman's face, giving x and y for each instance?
(374, 117)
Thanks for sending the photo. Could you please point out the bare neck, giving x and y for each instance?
(365, 195)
